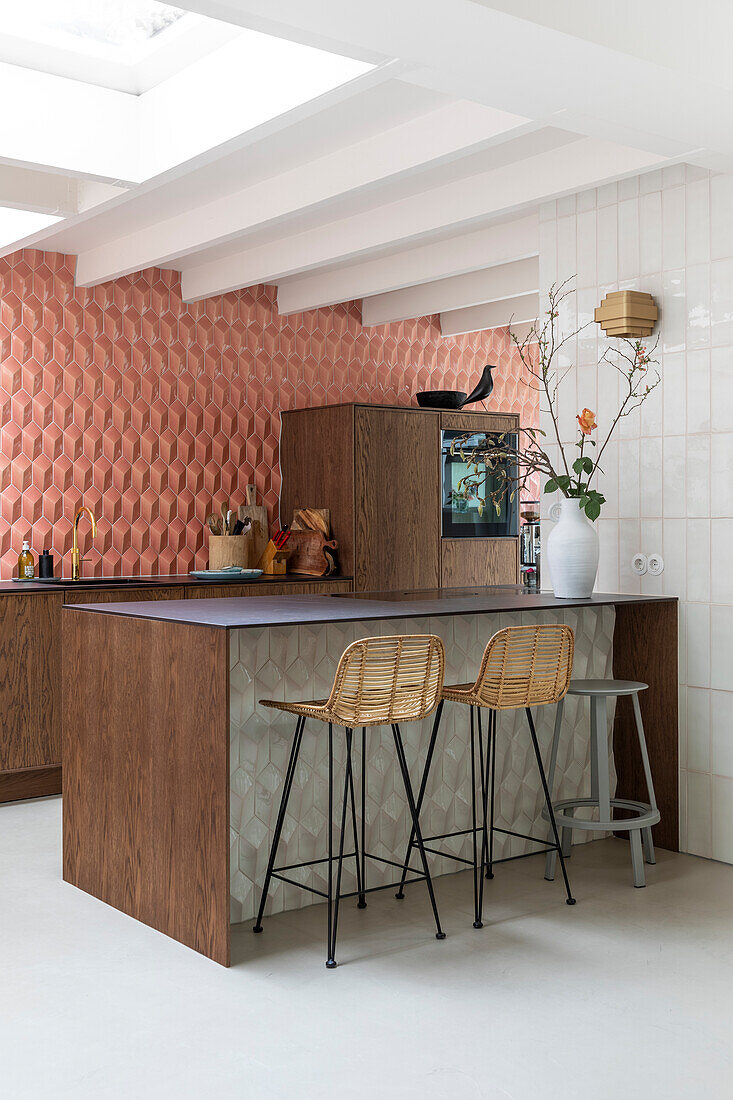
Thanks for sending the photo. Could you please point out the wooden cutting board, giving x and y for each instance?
(259, 535)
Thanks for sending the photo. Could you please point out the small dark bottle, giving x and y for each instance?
(45, 564)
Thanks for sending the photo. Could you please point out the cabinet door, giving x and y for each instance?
(397, 499)
(479, 422)
(30, 683)
(468, 562)
(287, 588)
(123, 594)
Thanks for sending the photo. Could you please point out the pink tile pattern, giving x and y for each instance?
(149, 409)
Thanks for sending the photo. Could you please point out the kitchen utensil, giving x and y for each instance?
(257, 513)
(308, 553)
(228, 550)
(456, 399)
(312, 519)
(214, 524)
(224, 510)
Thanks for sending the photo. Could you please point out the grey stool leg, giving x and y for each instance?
(637, 858)
(551, 856)
(645, 833)
(599, 750)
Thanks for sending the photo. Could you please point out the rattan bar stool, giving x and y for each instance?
(522, 666)
(640, 815)
(379, 681)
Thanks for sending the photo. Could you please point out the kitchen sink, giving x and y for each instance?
(104, 582)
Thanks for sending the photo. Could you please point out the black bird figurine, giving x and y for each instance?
(456, 399)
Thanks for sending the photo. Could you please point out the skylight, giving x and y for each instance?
(126, 45)
(117, 24)
(15, 224)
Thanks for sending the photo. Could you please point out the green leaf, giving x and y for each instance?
(593, 509)
(551, 486)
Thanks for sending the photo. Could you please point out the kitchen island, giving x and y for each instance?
(173, 771)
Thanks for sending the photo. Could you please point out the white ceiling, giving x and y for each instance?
(420, 149)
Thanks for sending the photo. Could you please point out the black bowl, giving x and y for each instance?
(441, 399)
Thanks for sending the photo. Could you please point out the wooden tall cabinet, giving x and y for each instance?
(378, 470)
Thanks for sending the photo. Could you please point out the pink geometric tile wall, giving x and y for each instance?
(152, 411)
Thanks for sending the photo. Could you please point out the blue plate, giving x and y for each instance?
(232, 574)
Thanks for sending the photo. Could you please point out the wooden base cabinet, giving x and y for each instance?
(30, 696)
(378, 470)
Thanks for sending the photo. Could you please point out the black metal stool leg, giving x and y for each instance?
(363, 813)
(333, 925)
(421, 795)
(361, 904)
(477, 873)
(402, 759)
(289, 775)
(548, 802)
(484, 797)
(330, 962)
(492, 790)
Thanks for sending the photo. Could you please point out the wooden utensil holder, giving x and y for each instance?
(273, 561)
(227, 550)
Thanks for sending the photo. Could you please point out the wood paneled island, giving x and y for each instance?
(173, 772)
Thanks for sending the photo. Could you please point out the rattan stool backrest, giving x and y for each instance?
(390, 679)
(525, 665)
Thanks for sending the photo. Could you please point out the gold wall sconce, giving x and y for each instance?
(630, 314)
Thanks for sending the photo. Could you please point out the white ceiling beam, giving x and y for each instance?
(452, 207)
(459, 292)
(515, 311)
(496, 244)
(436, 137)
(661, 107)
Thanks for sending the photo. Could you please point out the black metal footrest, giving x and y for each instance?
(419, 876)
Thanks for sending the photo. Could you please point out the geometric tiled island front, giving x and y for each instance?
(173, 770)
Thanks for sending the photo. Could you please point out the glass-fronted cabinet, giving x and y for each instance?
(460, 507)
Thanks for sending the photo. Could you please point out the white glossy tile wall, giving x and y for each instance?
(299, 663)
(669, 482)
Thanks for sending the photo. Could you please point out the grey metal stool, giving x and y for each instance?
(639, 826)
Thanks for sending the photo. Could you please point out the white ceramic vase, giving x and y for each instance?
(572, 553)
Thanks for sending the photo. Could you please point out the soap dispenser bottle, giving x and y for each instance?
(26, 564)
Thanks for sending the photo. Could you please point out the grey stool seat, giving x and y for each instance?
(642, 814)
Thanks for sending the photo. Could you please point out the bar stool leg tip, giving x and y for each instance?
(570, 901)
(478, 924)
(489, 874)
(257, 928)
(399, 895)
(331, 964)
(361, 904)
(440, 935)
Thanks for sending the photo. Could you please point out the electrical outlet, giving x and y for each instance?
(656, 564)
(639, 564)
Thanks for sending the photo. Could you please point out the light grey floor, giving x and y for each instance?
(629, 993)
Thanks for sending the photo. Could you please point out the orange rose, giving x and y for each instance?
(587, 421)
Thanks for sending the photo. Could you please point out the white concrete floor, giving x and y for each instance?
(629, 993)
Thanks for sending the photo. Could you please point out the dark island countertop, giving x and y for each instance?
(263, 611)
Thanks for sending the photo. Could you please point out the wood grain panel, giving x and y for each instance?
(123, 594)
(645, 648)
(146, 773)
(30, 681)
(479, 422)
(287, 588)
(467, 562)
(397, 499)
(317, 466)
(30, 782)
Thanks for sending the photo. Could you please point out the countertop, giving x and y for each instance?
(18, 588)
(261, 611)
